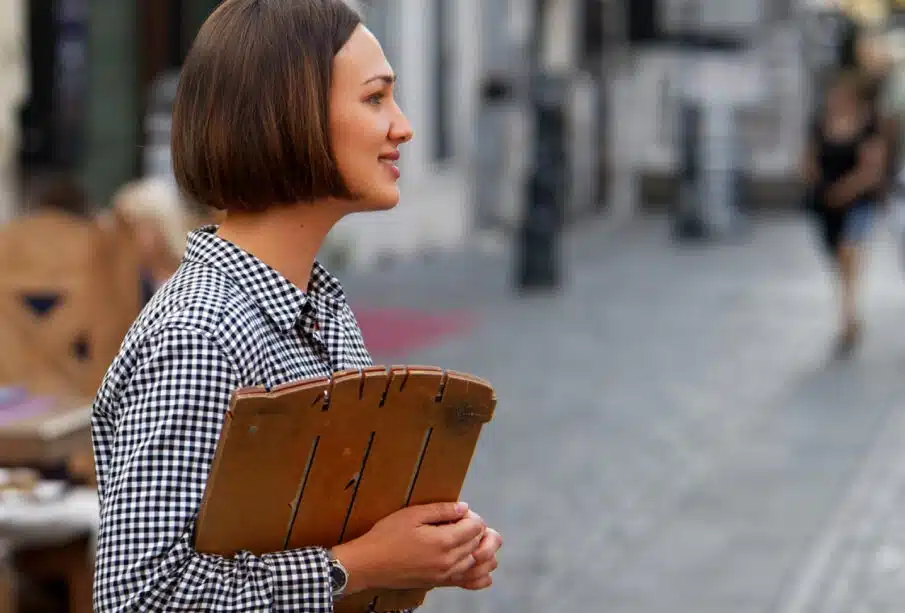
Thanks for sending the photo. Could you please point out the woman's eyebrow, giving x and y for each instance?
(389, 79)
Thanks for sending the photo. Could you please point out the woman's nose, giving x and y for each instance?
(401, 130)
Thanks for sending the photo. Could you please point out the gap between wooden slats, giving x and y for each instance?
(346, 429)
(403, 425)
(256, 481)
(441, 473)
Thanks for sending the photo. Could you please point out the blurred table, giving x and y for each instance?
(42, 429)
(51, 535)
(48, 526)
(52, 514)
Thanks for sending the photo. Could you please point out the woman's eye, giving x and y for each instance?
(375, 99)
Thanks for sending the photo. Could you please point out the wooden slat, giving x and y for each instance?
(456, 421)
(402, 429)
(345, 432)
(260, 464)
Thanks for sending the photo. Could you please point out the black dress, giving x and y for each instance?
(835, 159)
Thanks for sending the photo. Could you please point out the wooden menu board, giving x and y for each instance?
(319, 462)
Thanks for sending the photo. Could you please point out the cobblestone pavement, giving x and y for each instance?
(671, 435)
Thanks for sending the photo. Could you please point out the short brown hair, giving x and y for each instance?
(250, 125)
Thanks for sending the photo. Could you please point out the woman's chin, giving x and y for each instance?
(385, 199)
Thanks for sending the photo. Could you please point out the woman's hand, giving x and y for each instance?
(479, 577)
(867, 175)
(419, 547)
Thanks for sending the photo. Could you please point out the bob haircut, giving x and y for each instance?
(250, 123)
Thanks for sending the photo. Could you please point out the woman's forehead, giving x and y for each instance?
(360, 58)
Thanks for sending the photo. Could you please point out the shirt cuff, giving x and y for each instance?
(301, 580)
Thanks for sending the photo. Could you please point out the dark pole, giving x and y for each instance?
(538, 266)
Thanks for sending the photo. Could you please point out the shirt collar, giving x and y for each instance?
(280, 300)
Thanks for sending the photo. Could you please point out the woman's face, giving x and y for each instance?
(366, 124)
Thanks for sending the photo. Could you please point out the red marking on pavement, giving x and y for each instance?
(398, 331)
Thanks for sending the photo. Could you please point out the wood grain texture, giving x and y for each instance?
(318, 463)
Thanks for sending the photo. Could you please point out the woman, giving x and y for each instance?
(285, 120)
(845, 169)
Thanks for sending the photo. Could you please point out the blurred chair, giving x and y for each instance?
(69, 290)
(155, 217)
(68, 293)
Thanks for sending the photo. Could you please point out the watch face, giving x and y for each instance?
(338, 577)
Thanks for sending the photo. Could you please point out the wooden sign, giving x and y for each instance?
(319, 462)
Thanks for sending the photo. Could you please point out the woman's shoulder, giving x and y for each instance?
(198, 301)
(195, 296)
(196, 314)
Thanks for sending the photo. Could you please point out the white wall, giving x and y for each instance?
(14, 87)
(714, 14)
(559, 35)
(467, 71)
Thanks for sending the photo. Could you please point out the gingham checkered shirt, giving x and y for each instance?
(225, 320)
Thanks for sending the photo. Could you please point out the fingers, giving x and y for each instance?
(479, 584)
(462, 558)
(490, 544)
(476, 572)
(477, 576)
(468, 549)
(470, 526)
(460, 568)
(441, 512)
(463, 531)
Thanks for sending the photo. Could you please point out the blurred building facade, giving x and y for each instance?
(101, 73)
(746, 51)
(465, 84)
(90, 88)
(92, 64)
(14, 90)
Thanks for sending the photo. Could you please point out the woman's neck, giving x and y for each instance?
(286, 238)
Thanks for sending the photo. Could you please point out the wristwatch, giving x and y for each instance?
(339, 576)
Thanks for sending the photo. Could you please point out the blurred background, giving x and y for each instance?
(603, 215)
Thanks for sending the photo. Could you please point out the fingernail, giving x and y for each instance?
(461, 507)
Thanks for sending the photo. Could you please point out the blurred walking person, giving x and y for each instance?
(845, 169)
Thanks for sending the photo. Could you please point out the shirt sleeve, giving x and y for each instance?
(155, 454)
